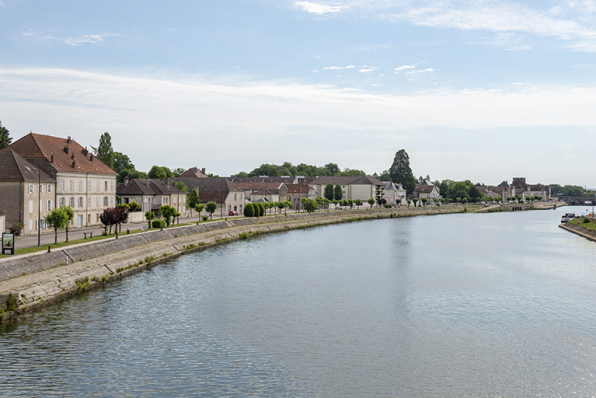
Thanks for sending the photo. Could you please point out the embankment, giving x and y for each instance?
(30, 282)
(576, 229)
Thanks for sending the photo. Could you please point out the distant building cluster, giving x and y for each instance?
(40, 172)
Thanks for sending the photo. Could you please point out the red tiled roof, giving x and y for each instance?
(67, 154)
(298, 188)
(194, 172)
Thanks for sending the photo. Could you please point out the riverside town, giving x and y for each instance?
(297, 198)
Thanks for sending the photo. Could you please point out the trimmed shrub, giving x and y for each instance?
(586, 220)
(158, 223)
(249, 210)
(205, 218)
(261, 209)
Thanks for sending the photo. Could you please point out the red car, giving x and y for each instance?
(232, 213)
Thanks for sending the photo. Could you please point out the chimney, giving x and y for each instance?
(74, 164)
(203, 170)
(68, 140)
(85, 151)
(72, 157)
(52, 158)
(91, 157)
(66, 149)
(126, 181)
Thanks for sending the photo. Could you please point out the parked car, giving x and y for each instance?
(232, 213)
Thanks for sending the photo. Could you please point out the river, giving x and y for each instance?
(462, 305)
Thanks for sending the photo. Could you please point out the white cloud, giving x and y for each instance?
(339, 67)
(184, 112)
(318, 8)
(367, 69)
(415, 72)
(85, 39)
(403, 67)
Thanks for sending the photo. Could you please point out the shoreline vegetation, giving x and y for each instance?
(42, 287)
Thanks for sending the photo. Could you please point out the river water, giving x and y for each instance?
(463, 305)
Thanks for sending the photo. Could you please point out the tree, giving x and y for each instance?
(5, 139)
(358, 202)
(309, 205)
(193, 199)
(333, 169)
(249, 210)
(338, 192)
(134, 206)
(415, 201)
(261, 207)
(423, 201)
(70, 213)
(371, 202)
(57, 219)
(280, 206)
(157, 173)
(168, 213)
(199, 208)
(329, 191)
(149, 215)
(401, 172)
(287, 206)
(104, 150)
(211, 207)
(121, 162)
(178, 171)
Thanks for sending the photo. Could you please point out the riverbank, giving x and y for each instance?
(578, 230)
(34, 281)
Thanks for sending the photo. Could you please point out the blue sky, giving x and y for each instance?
(481, 90)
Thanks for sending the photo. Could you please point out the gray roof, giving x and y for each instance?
(14, 168)
(146, 186)
(366, 180)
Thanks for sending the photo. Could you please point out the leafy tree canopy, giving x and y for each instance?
(159, 172)
(288, 169)
(104, 150)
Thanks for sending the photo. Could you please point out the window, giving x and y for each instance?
(89, 188)
(89, 203)
(97, 186)
(49, 205)
(30, 206)
(30, 188)
(174, 200)
(106, 186)
(235, 196)
(62, 186)
(71, 186)
(49, 189)
(112, 201)
(111, 186)
(81, 202)
(40, 188)
(30, 225)
(105, 201)
(97, 201)
(80, 186)
(62, 201)
(72, 202)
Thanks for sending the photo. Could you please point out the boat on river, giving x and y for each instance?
(567, 217)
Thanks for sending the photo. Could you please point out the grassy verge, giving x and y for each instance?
(591, 225)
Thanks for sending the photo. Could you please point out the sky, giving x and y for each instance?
(473, 89)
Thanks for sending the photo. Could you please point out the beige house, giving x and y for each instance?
(427, 191)
(83, 182)
(362, 188)
(217, 189)
(259, 191)
(395, 194)
(151, 194)
(523, 189)
(27, 194)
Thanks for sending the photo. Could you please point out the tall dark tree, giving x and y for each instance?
(121, 161)
(338, 192)
(329, 191)
(104, 150)
(401, 172)
(5, 139)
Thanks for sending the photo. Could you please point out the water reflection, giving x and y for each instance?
(460, 305)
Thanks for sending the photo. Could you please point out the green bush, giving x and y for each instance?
(261, 209)
(586, 220)
(158, 223)
(249, 210)
(134, 206)
(205, 218)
